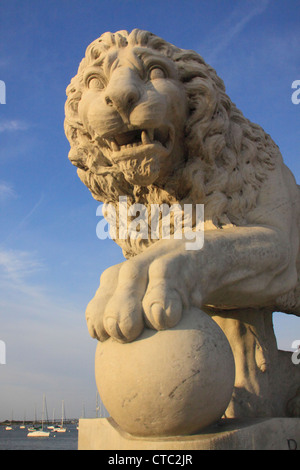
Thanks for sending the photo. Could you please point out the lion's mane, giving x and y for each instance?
(227, 157)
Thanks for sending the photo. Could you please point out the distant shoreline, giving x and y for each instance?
(29, 423)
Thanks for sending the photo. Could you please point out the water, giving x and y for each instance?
(17, 439)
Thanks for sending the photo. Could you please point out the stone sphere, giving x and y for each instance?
(167, 383)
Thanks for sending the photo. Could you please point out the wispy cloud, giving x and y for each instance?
(16, 267)
(18, 264)
(6, 191)
(22, 223)
(224, 33)
(13, 125)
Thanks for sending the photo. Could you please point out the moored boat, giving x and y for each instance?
(61, 428)
(39, 432)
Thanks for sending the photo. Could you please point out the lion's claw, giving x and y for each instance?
(123, 319)
(124, 329)
(163, 309)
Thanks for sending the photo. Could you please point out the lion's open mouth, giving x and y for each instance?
(140, 140)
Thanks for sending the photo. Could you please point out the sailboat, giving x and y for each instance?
(40, 432)
(9, 427)
(23, 425)
(61, 427)
(34, 426)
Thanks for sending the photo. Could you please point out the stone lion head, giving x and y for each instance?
(151, 121)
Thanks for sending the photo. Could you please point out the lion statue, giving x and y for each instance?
(152, 122)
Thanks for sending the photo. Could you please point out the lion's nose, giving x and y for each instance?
(122, 101)
(122, 92)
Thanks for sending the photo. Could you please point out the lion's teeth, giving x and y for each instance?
(115, 147)
(145, 138)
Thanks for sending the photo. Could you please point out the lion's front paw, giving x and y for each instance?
(148, 293)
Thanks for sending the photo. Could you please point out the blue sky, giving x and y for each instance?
(50, 257)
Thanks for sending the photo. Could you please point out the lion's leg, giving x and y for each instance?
(253, 343)
(267, 382)
(239, 267)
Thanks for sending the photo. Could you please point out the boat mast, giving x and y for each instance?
(43, 412)
(62, 413)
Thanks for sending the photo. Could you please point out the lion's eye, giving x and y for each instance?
(157, 72)
(95, 83)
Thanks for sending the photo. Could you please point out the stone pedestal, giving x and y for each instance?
(229, 434)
